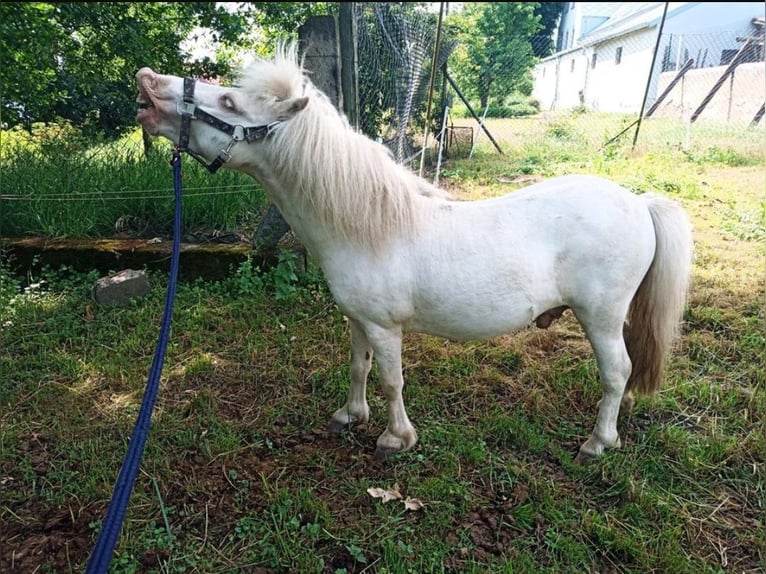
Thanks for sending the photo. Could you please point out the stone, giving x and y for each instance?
(121, 288)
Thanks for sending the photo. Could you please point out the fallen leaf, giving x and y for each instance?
(413, 503)
(386, 495)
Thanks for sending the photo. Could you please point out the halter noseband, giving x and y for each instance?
(189, 112)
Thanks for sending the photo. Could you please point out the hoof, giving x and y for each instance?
(584, 457)
(383, 453)
(336, 427)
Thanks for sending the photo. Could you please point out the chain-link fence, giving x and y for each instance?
(651, 75)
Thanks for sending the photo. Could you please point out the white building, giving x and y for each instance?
(606, 51)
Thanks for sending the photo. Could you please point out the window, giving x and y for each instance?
(751, 52)
(593, 60)
(618, 55)
(727, 56)
(667, 58)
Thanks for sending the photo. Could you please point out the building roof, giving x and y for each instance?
(632, 16)
(599, 9)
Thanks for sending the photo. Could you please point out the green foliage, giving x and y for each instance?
(514, 106)
(498, 46)
(27, 58)
(285, 282)
(284, 276)
(10, 286)
(543, 41)
(248, 278)
(77, 60)
(725, 156)
(747, 225)
(280, 19)
(561, 129)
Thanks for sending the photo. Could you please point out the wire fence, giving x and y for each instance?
(638, 84)
(641, 85)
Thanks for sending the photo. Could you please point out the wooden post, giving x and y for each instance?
(727, 72)
(685, 68)
(651, 71)
(319, 45)
(473, 113)
(758, 115)
(348, 62)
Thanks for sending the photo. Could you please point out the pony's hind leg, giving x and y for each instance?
(614, 369)
(355, 410)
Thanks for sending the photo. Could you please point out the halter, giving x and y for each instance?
(189, 112)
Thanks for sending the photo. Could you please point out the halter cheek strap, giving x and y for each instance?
(188, 111)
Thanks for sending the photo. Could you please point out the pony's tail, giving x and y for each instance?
(656, 311)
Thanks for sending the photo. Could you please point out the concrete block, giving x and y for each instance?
(120, 288)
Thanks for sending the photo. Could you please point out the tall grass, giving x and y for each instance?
(584, 133)
(57, 184)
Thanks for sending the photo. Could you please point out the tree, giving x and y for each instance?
(28, 38)
(542, 42)
(499, 44)
(76, 61)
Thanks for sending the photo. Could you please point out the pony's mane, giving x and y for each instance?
(351, 182)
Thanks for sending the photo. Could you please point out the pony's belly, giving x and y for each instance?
(472, 324)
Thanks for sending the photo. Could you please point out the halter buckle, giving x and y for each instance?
(186, 108)
(227, 152)
(238, 134)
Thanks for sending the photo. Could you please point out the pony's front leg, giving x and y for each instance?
(355, 410)
(399, 435)
(614, 369)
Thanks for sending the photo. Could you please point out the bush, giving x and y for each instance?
(514, 106)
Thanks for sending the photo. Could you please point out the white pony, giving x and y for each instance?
(400, 256)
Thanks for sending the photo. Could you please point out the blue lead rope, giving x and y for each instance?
(110, 530)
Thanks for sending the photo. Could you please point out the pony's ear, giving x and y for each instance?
(288, 108)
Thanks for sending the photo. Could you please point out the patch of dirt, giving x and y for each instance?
(211, 491)
(40, 535)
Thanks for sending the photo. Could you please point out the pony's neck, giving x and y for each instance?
(321, 173)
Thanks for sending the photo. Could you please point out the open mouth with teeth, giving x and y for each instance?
(143, 106)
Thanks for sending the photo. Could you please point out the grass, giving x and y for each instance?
(239, 474)
(57, 185)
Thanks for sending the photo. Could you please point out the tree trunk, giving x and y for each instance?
(271, 229)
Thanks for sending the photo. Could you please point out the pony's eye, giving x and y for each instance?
(228, 103)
